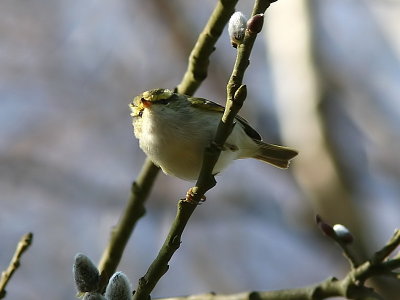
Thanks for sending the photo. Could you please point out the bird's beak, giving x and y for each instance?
(146, 103)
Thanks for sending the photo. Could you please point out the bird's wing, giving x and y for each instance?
(205, 104)
(212, 106)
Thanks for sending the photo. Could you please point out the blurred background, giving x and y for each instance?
(324, 79)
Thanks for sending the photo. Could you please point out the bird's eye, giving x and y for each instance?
(140, 114)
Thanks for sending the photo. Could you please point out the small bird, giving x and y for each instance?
(174, 129)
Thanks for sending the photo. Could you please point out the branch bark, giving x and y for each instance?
(121, 233)
(195, 74)
(351, 286)
(236, 94)
(15, 262)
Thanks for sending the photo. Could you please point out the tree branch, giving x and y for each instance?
(121, 233)
(236, 94)
(195, 74)
(351, 286)
(15, 262)
(205, 45)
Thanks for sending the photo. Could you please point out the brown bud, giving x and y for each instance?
(255, 24)
(325, 227)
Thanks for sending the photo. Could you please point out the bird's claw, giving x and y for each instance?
(190, 197)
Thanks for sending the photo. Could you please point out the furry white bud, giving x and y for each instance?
(118, 287)
(343, 233)
(93, 296)
(237, 28)
(86, 274)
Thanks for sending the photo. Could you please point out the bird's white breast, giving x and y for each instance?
(177, 147)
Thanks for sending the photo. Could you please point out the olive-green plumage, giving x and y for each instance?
(174, 129)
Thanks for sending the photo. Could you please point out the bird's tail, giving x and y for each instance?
(279, 156)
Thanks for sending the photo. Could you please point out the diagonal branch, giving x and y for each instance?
(121, 233)
(6, 275)
(199, 57)
(236, 94)
(195, 74)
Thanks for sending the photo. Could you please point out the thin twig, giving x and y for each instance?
(236, 94)
(195, 74)
(388, 249)
(349, 254)
(15, 262)
(121, 233)
(351, 286)
(205, 45)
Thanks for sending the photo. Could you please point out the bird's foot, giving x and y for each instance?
(191, 197)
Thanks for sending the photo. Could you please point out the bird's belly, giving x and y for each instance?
(176, 156)
(181, 153)
(186, 162)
